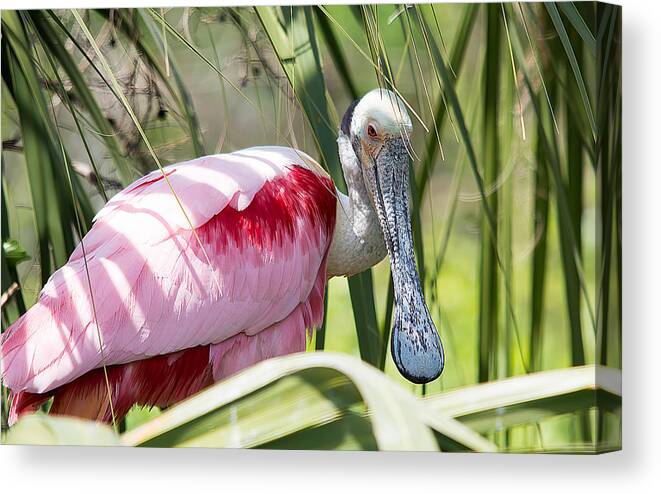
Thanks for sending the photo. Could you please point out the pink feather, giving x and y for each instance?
(245, 285)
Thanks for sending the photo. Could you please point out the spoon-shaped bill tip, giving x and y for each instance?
(415, 345)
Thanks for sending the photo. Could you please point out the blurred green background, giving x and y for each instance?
(516, 197)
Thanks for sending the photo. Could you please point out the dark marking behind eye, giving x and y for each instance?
(345, 127)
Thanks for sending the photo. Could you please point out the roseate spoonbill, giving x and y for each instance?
(168, 293)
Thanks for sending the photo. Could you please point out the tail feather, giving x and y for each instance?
(23, 403)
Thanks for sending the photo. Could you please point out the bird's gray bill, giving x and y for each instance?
(415, 344)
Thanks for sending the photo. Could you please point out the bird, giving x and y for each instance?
(203, 268)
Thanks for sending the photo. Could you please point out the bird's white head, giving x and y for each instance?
(377, 117)
(375, 143)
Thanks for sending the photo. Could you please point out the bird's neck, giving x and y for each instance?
(357, 241)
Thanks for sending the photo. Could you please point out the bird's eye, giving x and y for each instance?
(371, 131)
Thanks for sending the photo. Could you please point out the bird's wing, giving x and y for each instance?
(262, 223)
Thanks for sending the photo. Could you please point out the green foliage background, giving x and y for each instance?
(517, 196)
